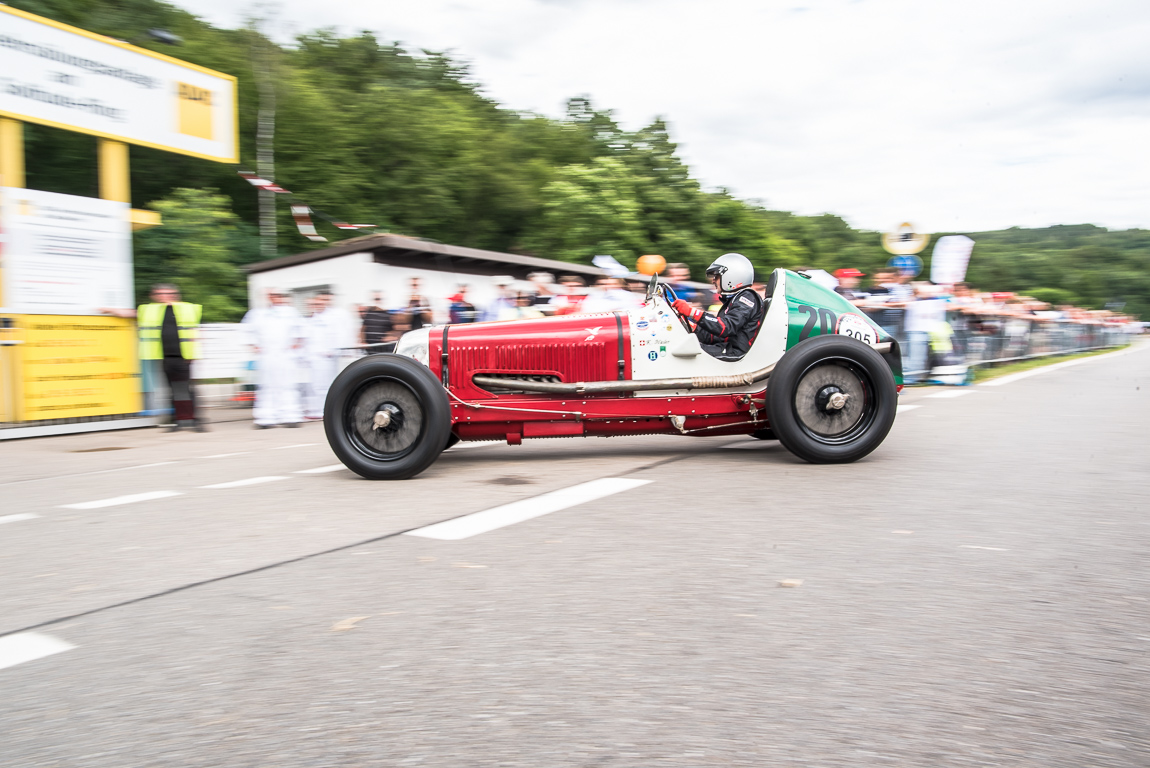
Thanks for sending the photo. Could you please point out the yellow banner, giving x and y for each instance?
(76, 365)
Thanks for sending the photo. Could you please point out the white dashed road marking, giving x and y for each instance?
(975, 546)
(118, 500)
(320, 470)
(517, 512)
(953, 393)
(905, 408)
(225, 455)
(297, 445)
(17, 518)
(248, 481)
(29, 646)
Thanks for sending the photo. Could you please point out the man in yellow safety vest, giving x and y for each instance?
(168, 334)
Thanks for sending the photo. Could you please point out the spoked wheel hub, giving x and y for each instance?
(384, 419)
(834, 401)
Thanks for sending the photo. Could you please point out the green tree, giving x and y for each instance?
(197, 248)
(588, 210)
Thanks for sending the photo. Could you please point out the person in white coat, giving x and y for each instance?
(276, 334)
(329, 334)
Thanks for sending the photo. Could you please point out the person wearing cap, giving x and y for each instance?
(848, 283)
(276, 334)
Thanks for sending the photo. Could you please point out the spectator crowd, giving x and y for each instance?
(942, 327)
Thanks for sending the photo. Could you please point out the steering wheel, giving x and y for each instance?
(671, 304)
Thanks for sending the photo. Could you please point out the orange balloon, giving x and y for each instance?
(651, 264)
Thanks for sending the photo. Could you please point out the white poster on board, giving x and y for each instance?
(950, 258)
(65, 77)
(63, 254)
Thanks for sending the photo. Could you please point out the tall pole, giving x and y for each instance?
(265, 140)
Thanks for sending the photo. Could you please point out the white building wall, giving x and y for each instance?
(354, 277)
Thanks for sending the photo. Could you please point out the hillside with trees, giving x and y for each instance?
(371, 132)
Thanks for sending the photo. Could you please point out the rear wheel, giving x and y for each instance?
(387, 417)
(831, 399)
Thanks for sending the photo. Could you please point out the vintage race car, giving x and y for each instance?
(820, 377)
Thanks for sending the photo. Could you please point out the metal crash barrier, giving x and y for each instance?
(974, 339)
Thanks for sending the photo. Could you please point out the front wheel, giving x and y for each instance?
(387, 417)
(831, 399)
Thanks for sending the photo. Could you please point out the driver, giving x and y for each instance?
(729, 333)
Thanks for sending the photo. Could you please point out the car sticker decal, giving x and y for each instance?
(857, 328)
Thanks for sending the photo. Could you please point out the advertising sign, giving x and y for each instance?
(79, 366)
(62, 254)
(950, 258)
(904, 240)
(70, 78)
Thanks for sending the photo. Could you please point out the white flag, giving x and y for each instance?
(610, 265)
(949, 260)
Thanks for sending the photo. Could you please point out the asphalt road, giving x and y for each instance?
(973, 593)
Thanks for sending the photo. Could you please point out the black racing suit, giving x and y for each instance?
(728, 334)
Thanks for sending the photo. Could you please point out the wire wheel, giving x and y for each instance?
(831, 399)
(387, 417)
(823, 416)
(403, 414)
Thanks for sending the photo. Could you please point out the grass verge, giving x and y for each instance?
(985, 373)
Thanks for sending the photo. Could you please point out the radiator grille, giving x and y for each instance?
(583, 361)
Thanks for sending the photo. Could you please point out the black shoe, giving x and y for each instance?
(292, 425)
(173, 428)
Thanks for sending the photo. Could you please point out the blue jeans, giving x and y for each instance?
(914, 362)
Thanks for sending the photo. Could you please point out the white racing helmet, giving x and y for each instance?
(734, 271)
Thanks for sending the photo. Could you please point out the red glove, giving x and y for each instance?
(687, 311)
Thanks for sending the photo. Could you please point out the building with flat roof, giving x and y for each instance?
(352, 270)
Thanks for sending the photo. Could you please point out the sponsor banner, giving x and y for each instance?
(65, 77)
(78, 366)
(63, 254)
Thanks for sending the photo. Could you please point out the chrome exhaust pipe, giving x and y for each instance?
(631, 385)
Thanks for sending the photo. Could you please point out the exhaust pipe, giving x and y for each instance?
(631, 385)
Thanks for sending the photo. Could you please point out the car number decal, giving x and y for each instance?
(817, 314)
(857, 328)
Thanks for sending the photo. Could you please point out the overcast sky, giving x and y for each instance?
(963, 115)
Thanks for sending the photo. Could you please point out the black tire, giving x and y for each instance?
(418, 415)
(802, 385)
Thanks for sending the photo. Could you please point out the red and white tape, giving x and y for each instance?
(301, 213)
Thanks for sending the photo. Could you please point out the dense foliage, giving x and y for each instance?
(370, 132)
